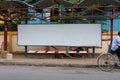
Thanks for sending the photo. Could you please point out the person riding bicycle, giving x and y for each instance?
(115, 47)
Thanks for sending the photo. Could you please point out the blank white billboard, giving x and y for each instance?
(87, 35)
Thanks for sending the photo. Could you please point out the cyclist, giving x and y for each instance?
(115, 47)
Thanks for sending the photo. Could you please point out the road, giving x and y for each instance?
(56, 73)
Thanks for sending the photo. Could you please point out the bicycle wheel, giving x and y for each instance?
(106, 62)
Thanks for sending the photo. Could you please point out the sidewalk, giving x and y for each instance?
(34, 60)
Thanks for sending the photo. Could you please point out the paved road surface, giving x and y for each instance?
(55, 73)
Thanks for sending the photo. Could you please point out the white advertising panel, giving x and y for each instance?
(87, 35)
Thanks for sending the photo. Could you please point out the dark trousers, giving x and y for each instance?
(117, 51)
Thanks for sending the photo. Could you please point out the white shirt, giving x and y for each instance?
(115, 43)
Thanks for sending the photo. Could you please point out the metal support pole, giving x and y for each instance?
(111, 26)
(93, 52)
(5, 35)
(26, 53)
(111, 30)
(53, 8)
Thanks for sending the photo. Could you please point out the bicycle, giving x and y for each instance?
(107, 61)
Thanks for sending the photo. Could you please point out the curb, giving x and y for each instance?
(47, 64)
